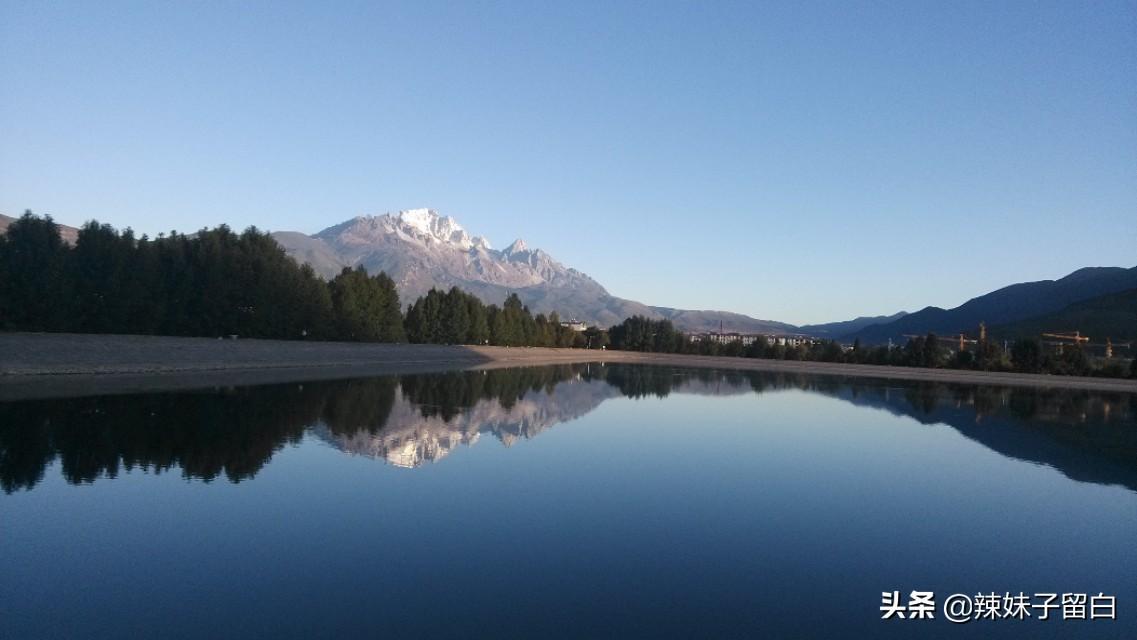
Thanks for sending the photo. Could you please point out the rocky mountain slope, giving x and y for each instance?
(421, 249)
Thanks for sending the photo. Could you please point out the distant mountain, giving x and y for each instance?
(729, 322)
(421, 249)
(838, 329)
(66, 233)
(1006, 305)
(317, 253)
(1113, 316)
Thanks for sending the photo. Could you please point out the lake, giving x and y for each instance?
(581, 501)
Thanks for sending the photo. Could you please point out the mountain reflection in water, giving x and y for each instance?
(414, 419)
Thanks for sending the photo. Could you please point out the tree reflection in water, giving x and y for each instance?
(414, 419)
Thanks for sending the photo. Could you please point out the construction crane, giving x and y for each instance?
(1084, 341)
(962, 339)
(1109, 345)
(1076, 337)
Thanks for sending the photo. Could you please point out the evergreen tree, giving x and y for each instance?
(390, 311)
(510, 330)
(100, 265)
(35, 294)
(931, 356)
(831, 352)
(479, 332)
(1026, 355)
(455, 317)
(366, 308)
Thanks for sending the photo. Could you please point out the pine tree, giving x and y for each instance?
(455, 317)
(390, 313)
(479, 322)
(35, 294)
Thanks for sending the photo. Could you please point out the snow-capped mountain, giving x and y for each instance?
(420, 249)
(410, 439)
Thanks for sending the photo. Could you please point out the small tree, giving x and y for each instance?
(1026, 355)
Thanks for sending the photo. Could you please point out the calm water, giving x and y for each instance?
(575, 501)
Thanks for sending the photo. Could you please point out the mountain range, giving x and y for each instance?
(1006, 306)
(420, 249)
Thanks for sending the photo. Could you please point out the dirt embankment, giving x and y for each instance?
(46, 364)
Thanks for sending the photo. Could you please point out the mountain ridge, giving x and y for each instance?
(421, 249)
(845, 327)
(1005, 305)
(1111, 316)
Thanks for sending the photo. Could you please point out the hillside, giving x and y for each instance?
(838, 329)
(714, 320)
(1111, 316)
(1009, 304)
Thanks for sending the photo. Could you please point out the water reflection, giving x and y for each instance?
(411, 420)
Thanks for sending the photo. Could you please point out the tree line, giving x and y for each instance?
(457, 317)
(217, 283)
(1025, 355)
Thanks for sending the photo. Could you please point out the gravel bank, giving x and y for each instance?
(48, 365)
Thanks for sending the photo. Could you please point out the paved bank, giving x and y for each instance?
(48, 365)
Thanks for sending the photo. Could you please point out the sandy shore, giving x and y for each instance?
(57, 365)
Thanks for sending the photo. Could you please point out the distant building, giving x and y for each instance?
(575, 325)
(725, 338)
(748, 339)
(792, 341)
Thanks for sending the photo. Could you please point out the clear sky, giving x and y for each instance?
(793, 161)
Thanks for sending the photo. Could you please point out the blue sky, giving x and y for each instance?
(800, 162)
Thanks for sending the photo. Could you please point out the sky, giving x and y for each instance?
(802, 162)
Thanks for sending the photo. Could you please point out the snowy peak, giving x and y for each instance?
(428, 225)
(419, 226)
(518, 246)
(426, 220)
(421, 249)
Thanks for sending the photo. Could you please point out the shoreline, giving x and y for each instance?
(47, 365)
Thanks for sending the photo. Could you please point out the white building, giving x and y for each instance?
(749, 338)
(575, 325)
